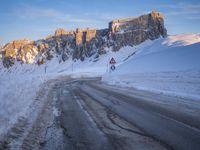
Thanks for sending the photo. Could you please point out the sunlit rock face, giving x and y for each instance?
(135, 30)
(22, 50)
(60, 32)
(82, 43)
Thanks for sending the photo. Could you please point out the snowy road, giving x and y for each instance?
(88, 115)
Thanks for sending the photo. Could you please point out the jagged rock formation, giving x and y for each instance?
(81, 43)
(22, 50)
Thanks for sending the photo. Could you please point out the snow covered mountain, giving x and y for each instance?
(80, 44)
(170, 65)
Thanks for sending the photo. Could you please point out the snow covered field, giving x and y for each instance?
(170, 66)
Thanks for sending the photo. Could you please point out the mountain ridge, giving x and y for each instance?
(82, 43)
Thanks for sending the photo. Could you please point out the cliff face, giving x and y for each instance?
(22, 50)
(83, 43)
(133, 31)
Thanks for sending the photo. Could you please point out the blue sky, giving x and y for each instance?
(35, 19)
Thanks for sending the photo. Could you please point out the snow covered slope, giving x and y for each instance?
(170, 65)
(92, 66)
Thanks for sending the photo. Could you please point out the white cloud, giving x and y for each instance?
(193, 17)
(27, 11)
(182, 9)
(31, 12)
(107, 16)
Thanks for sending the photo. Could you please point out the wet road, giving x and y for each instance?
(86, 114)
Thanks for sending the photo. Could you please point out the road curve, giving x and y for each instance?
(92, 115)
(86, 114)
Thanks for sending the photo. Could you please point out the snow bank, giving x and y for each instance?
(16, 96)
(170, 65)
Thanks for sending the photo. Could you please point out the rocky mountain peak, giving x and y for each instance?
(84, 35)
(156, 14)
(60, 32)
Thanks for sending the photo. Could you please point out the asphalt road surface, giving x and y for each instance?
(85, 114)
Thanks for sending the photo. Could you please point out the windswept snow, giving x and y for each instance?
(182, 39)
(171, 59)
(170, 65)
